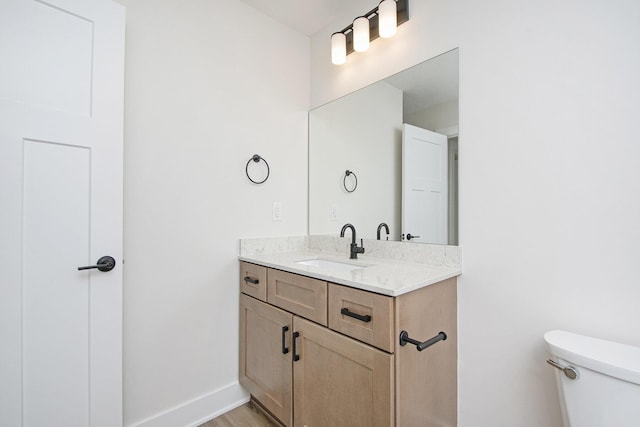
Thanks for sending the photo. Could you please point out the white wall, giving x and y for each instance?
(208, 84)
(549, 181)
(369, 121)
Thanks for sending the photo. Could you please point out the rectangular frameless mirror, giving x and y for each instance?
(388, 153)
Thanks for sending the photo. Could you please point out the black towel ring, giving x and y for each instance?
(344, 181)
(256, 158)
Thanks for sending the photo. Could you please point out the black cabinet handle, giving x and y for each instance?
(364, 318)
(404, 339)
(294, 336)
(251, 280)
(285, 350)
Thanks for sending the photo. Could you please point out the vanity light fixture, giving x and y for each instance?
(379, 22)
(387, 18)
(338, 48)
(361, 34)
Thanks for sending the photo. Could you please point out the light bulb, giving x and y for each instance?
(338, 48)
(387, 18)
(361, 34)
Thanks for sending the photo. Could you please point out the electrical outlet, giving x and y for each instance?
(277, 211)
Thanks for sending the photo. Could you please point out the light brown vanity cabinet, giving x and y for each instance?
(353, 372)
(339, 381)
(253, 280)
(301, 295)
(365, 316)
(426, 381)
(265, 356)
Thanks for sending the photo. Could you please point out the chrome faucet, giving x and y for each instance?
(355, 249)
(386, 227)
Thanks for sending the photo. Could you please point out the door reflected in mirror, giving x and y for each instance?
(399, 136)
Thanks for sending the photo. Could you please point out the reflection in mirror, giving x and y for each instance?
(400, 137)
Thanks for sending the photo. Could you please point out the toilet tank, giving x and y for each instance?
(607, 390)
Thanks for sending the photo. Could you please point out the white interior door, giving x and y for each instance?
(424, 185)
(61, 134)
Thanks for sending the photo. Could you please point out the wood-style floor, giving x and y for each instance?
(243, 416)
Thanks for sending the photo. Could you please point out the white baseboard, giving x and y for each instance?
(199, 410)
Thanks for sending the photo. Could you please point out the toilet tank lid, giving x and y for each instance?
(608, 357)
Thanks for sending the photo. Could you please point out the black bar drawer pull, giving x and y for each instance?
(294, 336)
(285, 350)
(364, 318)
(404, 339)
(251, 280)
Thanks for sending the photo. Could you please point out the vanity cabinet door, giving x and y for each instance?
(253, 280)
(339, 381)
(300, 295)
(365, 316)
(265, 356)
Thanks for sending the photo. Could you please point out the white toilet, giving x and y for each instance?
(598, 381)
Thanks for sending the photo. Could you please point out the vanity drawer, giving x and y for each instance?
(365, 316)
(300, 295)
(253, 280)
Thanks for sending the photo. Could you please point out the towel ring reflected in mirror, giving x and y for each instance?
(348, 173)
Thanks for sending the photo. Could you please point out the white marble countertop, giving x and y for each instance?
(383, 276)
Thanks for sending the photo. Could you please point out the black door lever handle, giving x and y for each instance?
(105, 263)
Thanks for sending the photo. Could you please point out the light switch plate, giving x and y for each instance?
(277, 211)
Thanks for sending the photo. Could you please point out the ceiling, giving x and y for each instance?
(305, 16)
(429, 83)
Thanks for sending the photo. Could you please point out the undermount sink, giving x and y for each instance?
(331, 265)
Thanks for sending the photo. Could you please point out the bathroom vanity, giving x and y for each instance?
(320, 339)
